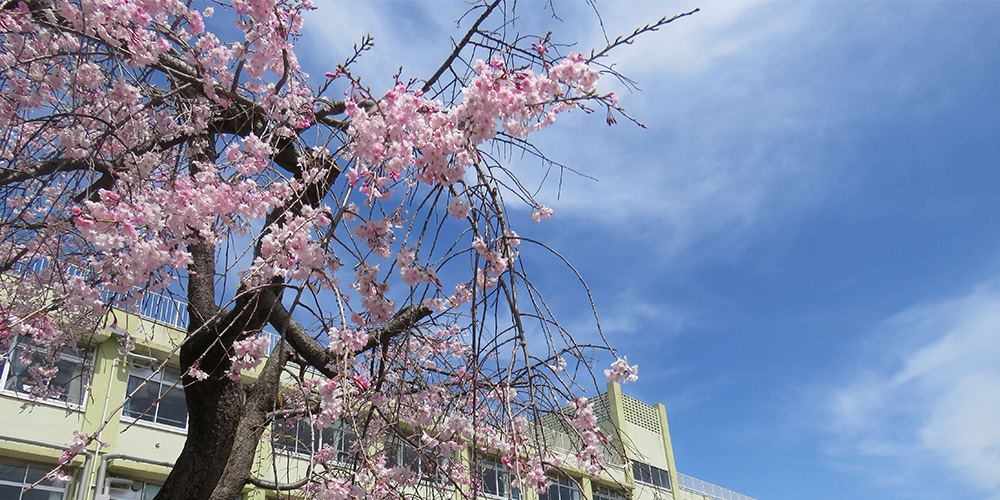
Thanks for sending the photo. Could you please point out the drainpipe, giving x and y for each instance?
(87, 456)
(102, 470)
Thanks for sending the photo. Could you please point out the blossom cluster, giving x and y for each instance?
(247, 354)
(584, 422)
(621, 372)
(405, 130)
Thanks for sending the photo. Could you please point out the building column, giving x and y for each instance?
(665, 432)
(586, 488)
(616, 410)
(108, 383)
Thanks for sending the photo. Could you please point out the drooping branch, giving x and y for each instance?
(627, 40)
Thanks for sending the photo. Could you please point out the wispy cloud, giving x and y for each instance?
(731, 129)
(411, 34)
(631, 312)
(706, 176)
(693, 44)
(930, 395)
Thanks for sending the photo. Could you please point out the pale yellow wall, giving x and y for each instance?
(42, 422)
(54, 425)
(153, 443)
(646, 446)
(642, 444)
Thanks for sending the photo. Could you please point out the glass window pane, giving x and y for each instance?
(69, 380)
(150, 491)
(391, 455)
(35, 474)
(172, 409)
(142, 372)
(562, 488)
(410, 458)
(37, 494)
(10, 472)
(305, 432)
(645, 473)
(142, 400)
(19, 376)
(496, 479)
(8, 492)
(64, 380)
(345, 444)
(491, 483)
(327, 436)
(162, 403)
(14, 477)
(169, 378)
(283, 434)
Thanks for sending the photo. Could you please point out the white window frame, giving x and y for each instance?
(167, 383)
(399, 453)
(336, 435)
(28, 479)
(653, 472)
(120, 488)
(82, 366)
(562, 487)
(602, 492)
(496, 479)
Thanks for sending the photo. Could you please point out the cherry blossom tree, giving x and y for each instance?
(373, 232)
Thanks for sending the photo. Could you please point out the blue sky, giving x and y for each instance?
(801, 252)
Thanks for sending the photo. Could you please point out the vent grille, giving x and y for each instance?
(641, 414)
(602, 407)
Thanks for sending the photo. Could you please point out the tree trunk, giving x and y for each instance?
(215, 408)
(260, 400)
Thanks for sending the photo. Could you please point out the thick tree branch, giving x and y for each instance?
(201, 271)
(404, 320)
(55, 165)
(276, 486)
(319, 357)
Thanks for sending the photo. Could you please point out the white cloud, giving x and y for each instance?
(930, 395)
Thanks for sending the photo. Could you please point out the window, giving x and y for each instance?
(562, 488)
(645, 473)
(127, 489)
(606, 493)
(160, 400)
(299, 436)
(495, 477)
(28, 369)
(17, 477)
(425, 463)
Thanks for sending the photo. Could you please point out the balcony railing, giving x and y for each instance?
(153, 305)
(162, 308)
(174, 312)
(709, 490)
